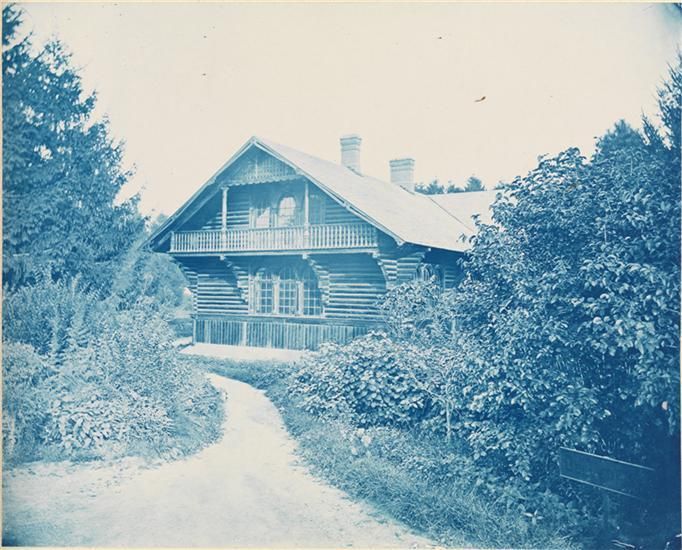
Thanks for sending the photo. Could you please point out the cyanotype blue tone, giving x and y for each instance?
(302, 354)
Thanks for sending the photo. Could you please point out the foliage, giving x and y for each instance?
(572, 299)
(564, 332)
(364, 382)
(575, 305)
(159, 279)
(123, 391)
(24, 400)
(61, 170)
(410, 474)
(436, 188)
(147, 277)
(264, 375)
(40, 314)
(89, 367)
(417, 311)
(474, 184)
(433, 188)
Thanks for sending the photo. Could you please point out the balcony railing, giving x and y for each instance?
(312, 237)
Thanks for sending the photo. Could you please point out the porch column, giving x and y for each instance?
(223, 221)
(306, 215)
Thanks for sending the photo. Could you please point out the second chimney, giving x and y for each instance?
(402, 173)
(350, 152)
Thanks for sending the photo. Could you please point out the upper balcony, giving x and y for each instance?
(277, 239)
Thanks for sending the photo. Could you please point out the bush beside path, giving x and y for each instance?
(247, 490)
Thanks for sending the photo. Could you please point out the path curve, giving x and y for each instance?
(247, 490)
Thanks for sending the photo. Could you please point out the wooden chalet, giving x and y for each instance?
(282, 249)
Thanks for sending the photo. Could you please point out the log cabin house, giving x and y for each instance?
(282, 249)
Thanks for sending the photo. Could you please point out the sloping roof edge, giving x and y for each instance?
(173, 217)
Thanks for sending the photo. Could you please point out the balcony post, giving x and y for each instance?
(223, 221)
(306, 215)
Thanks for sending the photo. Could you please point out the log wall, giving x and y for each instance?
(352, 285)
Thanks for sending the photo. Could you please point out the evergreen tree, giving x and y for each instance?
(474, 184)
(62, 172)
(433, 188)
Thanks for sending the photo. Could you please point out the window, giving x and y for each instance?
(260, 216)
(316, 209)
(286, 212)
(288, 292)
(312, 302)
(263, 289)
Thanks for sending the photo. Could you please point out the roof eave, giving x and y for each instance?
(171, 219)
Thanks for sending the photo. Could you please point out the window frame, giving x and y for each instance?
(258, 210)
(258, 281)
(288, 285)
(295, 211)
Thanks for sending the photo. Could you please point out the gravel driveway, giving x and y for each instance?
(245, 491)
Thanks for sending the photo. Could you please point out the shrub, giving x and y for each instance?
(365, 381)
(122, 391)
(25, 401)
(41, 314)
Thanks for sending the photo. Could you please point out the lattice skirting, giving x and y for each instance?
(276, 333)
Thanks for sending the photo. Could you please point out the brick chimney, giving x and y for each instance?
(402, 173)
(350, 152)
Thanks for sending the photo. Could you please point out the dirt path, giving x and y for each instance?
(245, 491)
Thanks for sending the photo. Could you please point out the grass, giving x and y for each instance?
(399, 475)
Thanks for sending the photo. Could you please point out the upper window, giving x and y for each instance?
(316, 209)
(261, 216)
(286, 211)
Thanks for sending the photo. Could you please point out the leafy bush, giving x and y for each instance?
(25, 401)
(123, 391)
(365, 381)
(41, 314)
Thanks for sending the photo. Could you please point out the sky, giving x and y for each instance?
(184, 85)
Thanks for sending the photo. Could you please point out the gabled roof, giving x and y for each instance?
(437, 221)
